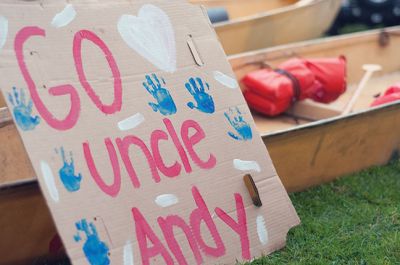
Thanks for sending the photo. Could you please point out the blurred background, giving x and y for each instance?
(357, 15)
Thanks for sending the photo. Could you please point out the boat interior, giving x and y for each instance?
(374, 47)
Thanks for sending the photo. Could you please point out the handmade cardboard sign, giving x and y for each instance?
(138, 133)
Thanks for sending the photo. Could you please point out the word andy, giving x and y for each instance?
(150, 244)
(191, 134)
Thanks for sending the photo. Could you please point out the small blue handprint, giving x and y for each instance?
(165, 104)
(242, 128)
(22, 110)
(67, 175)
(96, 251)
(204, 101)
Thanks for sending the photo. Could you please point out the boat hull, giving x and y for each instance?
(321, 152)
(280, 26)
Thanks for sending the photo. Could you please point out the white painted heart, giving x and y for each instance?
(3, 31)
(151, 35)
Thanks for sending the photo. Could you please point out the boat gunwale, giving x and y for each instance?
(9, 186)
(267, 13)
(361, 113)
(357, 37)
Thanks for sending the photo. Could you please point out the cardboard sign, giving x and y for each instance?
(138, 133)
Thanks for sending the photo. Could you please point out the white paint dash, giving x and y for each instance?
(131, 122)
(226, 80)
(262, 230)
(49, 180)
(128, 254)
(3, 31)
(246, 165)
(166, 200)
(64, 17)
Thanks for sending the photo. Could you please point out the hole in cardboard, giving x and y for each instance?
(194, 51)
(252, 189)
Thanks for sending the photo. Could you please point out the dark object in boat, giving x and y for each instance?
(217, 14)
(272, 92)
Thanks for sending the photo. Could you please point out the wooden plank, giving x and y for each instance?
(313, 111)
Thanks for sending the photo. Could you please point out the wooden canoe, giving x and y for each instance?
(304, 153)
(257, 24)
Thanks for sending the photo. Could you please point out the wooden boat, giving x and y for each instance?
(256, 24)
(304, 152)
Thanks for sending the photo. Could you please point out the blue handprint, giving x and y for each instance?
(22, 110)
(243, 129)
(96, 251)
(165, 104)
(205, 102)
(71, 181)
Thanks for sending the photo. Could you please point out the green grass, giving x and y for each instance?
(354, 220)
